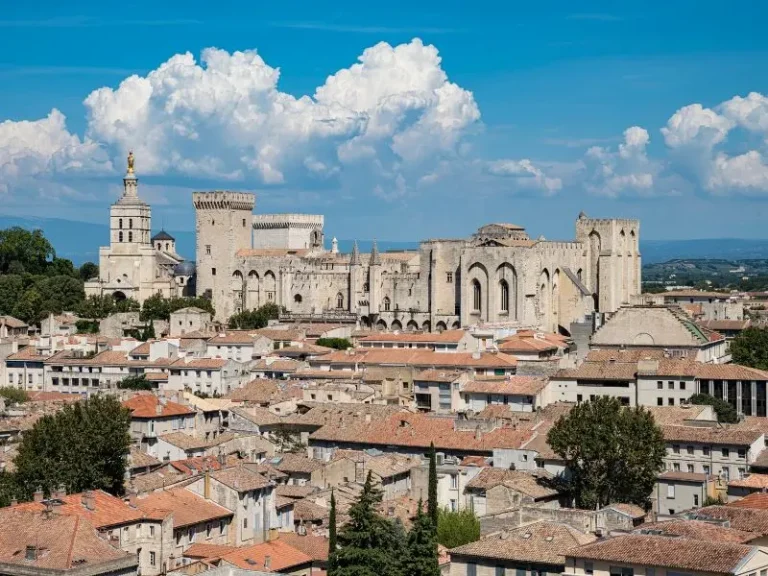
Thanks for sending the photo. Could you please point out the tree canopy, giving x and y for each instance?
(613, 453)
(457, 528)
(24, 251)
(335, 343)
(725, 412)
(13, 395)
(135, 383)
(83, 446)
(254, 319)
(420, 557)
(750, 348)
(369, 544)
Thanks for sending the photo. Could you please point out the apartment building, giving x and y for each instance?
(153, 416)
(445, 341)
(439, 390)
(519, 393)
(212, 376)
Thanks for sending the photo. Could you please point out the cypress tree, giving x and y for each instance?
(432, 508)
(421, 553)
(368, 545)
(332, 536)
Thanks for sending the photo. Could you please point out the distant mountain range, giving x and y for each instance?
(80, 241)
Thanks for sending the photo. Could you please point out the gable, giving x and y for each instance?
(645, 326)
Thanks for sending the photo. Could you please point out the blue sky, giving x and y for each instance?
(531, 113)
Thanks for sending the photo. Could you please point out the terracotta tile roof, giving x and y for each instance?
(63, 542)
(726, 324)
(283, 557)
(190, 442)
(316, 547)
(729, 372)
(284, 502)
(599, 371)
(418, 358)
(631, 510)
(52, 397)
(675, 414)
(304, 349)
(680, 476)
(540, 543)
(341, 414)
(200, 464)
(277, 365)
(12, 322)
(388, 465)
(294, 463)
(307, 511)
(108, 511)
(419, 430)
(533, 485)
(156, 376)
(757, 481)
(140, 350)
(233, 338)
(259, 391)
(444, 337)
(663, 551)
(473, 461)
(527, 341)
(711, 435)
(257, 415)
(746, 519)
(200, 363)
(208, 551)
(294, 491)
(511, 385)
(163, 478)
(187, 507)
(241, 479)
(437, 375)
(679, 367)
(696, 530)
(755, 501)
(140, 459)
(146, 406)
(281, 335)
(318, 374)
(627, 356)
(29, 353)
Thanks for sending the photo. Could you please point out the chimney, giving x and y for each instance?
(207, 484)
(31, 552)
(14, 501)
(158, 409)
(132, 499)
(267, 562)
(88, 500)
(38, 495)
(478, 433)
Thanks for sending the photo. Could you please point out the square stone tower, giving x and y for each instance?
(223, 227)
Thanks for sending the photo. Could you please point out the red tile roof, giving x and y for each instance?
(444, 337)
(283, 557)
(108, 511)
(146, 406)
(511, 385)
(316, 547)
(187, 507)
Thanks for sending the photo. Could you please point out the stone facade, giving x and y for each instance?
(135, 265)
(499, 275)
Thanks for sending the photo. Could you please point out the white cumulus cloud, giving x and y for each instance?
(626, 170)
(526, 174)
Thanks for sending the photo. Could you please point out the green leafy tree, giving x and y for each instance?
(24, 251)
(88, 270)
(432, 506)
(254, 319)
(332, 541)
(127, 305)
(421, 551)
(60, 293)
(83, 446)
(13, 395)
(725, 412)
(369, 545)
(29, 307)
(11, 290)
(613, 453)
(135, 383)
(750, 348)
(457, 528)
(62, 267)
(155, 308)
(87, 327)
(9, 489)
(335, 343)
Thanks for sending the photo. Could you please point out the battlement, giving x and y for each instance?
(279, 221)
(223, 200)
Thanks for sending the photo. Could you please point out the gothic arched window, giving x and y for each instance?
(120, 223)
(130, 223)
(339, 300)
(386, 304)
(504, 294)
(477, 296)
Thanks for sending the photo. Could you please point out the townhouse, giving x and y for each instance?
(445, 341)
(153, 416)
(25, 369)
(496, 490)
(519, 393)
(438, 390)
(648, 555)
(237, 345)
(248, 494)
(537, 549)
(210, 376)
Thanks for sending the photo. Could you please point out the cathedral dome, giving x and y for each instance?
(185, 268)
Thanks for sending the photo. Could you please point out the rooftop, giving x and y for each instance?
(187, 507)
(282, 557)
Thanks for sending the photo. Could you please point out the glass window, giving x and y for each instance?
(705, 450)
(671, 385)
(725, 452)
(471, 569)
(676, 449)
(689, 449)
(589, 568)
(659, 384)
(660, 401)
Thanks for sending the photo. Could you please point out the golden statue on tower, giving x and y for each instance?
(130, 162)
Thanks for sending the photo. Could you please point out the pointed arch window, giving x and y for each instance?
(120, 223)
(477, 296)
(504, 295)
(386, 304)
(130, 223)
(339, 301)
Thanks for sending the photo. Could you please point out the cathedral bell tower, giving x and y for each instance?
(130, 217)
